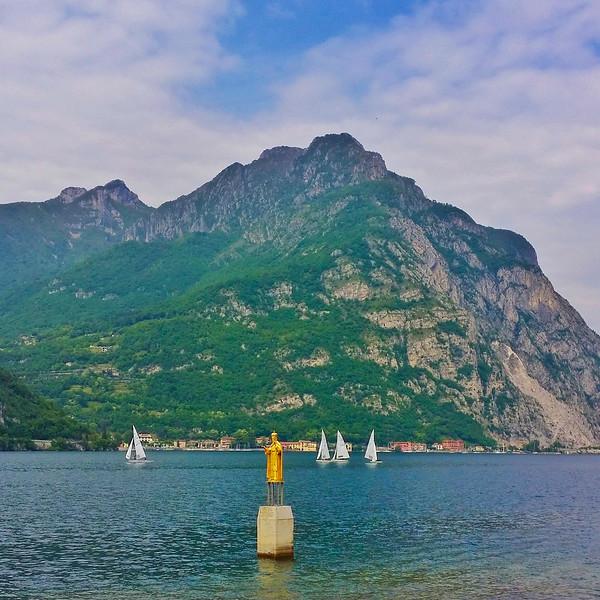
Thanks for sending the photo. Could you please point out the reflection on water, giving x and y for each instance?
(88, 526)
(274, 578)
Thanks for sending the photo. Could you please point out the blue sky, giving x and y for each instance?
(491, 105)
(272, 38)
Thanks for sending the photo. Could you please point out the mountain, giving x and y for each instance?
(25, 416)
(310, 288)
(38, 239)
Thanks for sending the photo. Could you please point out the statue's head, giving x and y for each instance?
(274, 436)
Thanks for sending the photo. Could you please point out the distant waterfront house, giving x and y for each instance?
(264, 440)
(409, 446)
(300, 446)
(453, 445)
(307, 446)
(195, 444)
(402, 446)
(147, 438)
(226, 442)
(437, 446)
(208, 444)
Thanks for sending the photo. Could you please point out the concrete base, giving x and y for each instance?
(275, 532)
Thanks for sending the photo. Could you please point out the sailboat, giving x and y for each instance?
(323, 453)
(371, 452)
(135, 452)
(341, 452)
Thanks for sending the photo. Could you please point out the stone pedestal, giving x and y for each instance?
(275, 532)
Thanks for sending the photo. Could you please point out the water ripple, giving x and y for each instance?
(88, 526)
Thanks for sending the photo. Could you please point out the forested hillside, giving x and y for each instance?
(25, 416)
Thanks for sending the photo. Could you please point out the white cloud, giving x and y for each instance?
(96, 90)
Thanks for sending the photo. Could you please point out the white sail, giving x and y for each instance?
(371, 453)
(323, 453)
(135, 450)
(341, 452)
(130, 450)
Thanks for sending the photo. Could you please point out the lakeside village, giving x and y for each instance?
(227, 443)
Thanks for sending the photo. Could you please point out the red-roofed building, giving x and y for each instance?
(453, 445)
(402, 446)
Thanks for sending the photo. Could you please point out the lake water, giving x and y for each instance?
(465, 527)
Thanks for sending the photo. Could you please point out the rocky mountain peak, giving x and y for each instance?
(118, 192)
(280, 154)
(342, 147)
(335, 160)
(107, 198)
(114, 194)
(339, 141)
(71, 193)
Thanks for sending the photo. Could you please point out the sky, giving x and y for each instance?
(490, 105)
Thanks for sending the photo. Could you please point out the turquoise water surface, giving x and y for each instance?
(89, 526)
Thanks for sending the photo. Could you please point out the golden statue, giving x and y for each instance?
(274, 454)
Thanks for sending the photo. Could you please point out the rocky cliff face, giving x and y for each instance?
(242, 194)
(536, 364)
(450, 311)
(110, 209)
